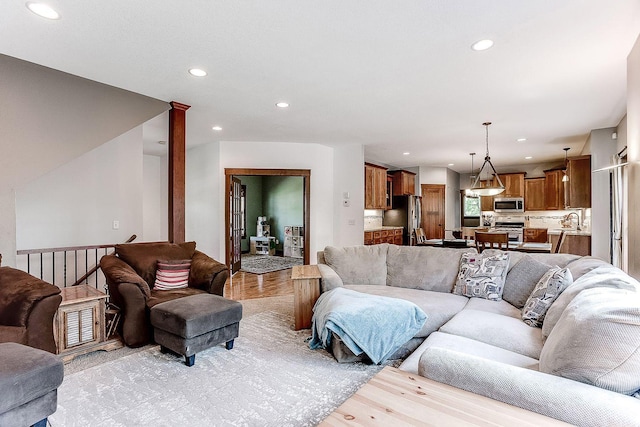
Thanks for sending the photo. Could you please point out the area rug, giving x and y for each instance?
(260, 264)
(270, 378)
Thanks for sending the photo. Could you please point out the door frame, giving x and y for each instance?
(306, 190)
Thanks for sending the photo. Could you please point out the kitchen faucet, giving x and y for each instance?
(568, 218)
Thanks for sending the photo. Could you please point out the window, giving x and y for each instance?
(471, 206)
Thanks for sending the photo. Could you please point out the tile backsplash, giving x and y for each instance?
(547, 219)
(373, 218)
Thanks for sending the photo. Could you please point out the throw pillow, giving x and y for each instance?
(521, 280)
(549, 287)
(172, 274)
(482, 275)
(597, 340)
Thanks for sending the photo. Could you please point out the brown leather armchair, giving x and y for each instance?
(27, 308)
(130, 275)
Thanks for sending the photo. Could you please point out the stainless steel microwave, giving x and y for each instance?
(508, 204)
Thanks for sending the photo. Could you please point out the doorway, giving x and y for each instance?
(433, 213)
(235, 210)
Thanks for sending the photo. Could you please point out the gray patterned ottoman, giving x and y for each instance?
(191, 324)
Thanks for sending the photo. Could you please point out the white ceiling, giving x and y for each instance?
(394, 76)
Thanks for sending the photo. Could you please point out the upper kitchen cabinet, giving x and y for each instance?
(513, 184)
(578, 188)
(404, 183)
(553, 189)
(534, 197)
(375, 187)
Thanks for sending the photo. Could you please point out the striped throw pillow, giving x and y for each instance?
(173, 274)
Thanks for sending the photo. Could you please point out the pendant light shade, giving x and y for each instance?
(477, 187)
(565, 177)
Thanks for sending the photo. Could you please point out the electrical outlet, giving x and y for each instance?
(116, 224)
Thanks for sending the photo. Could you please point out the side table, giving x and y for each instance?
(79, 323)
(306, 290)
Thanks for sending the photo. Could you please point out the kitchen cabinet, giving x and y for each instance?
(375, 187)
(513, 184)
(578, 188)
(539, 235)
(534, 196)
(554, 189)
(573, 244)
(486, 202)
(389, 195)
(376, 237)
(404, 183)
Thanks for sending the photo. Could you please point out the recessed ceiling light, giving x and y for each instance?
(406, 153)
(216, 128)
(521, 139)
(282, 104)
(482, 45)
(528, 158)
(43, 10)
(197, 72)
(450, 164)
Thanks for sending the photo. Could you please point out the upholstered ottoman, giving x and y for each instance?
(191, 324)
(29, 380)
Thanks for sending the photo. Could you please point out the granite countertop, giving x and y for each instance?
(384, 227)
(569, 232)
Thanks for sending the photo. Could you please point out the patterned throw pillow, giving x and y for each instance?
(549, 287)
(482, 276)
(173, 274)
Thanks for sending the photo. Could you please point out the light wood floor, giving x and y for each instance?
(248, 285)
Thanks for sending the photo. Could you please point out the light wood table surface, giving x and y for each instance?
(306, 290)
(397, 398)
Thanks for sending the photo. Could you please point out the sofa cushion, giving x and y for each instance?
(597, 340)
(359, 265)
(498, 307)
(482, 275)
(19, 291)
(549, 287)
(497, 330)
(439, 306)
(585, 264)
(144, 256)
(521, 279)
(423, 267)
(605, 276)
(467, 346)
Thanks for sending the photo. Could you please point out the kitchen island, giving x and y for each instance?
(384, 234)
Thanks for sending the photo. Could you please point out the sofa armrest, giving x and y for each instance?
(207, 274)
(330, 279)
(117, 271)
(566, 400)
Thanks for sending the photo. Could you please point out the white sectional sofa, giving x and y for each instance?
(582, 366)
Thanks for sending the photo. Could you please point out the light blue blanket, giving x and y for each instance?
(370, 324)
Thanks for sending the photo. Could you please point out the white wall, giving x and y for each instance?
(633, 170)
(204, 221)
(77, 203)
(348, 222)
(154, 199)
(8, 230)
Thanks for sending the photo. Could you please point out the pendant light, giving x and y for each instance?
(469, 192)
(477, 185)
(565, 177)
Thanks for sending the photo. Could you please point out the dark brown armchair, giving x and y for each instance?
(130, 275)
(27, 308)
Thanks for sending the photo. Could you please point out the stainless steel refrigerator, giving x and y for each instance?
(405, 213)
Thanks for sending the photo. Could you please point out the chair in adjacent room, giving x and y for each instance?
(421, 238)
(469, 233)
(560, 242)
(485, 240)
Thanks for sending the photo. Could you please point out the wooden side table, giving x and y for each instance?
(79, 323)
(306, 290)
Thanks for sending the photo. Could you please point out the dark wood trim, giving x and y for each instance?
(176, 175)
(304, 173)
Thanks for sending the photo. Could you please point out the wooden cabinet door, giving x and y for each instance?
(380, 191)
(513, 184)
(534, 198)
(576, 245)
(433, 213)
(375, 187)
(553, 190)
(579, 185)
(404, 183)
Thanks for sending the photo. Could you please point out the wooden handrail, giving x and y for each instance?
(71, 248)
(97, 266)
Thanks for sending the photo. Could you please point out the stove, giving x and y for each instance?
(515, 229)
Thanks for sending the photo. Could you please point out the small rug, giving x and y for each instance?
(270, 378)
(260, 264)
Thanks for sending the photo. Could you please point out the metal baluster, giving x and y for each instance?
(64, 272)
